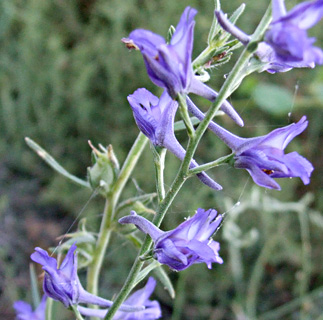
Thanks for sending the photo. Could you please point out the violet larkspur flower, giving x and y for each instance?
(62, 284)
(24, 310)
(286, 44)
(139, 298)
(155, 118)
(264, 156)
(188, 243)
(169, 65)
(288, 38)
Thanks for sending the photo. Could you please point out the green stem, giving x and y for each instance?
(210, 165)
(101, 245)
(49, 309)
(227, 88)
(77, 313)
(109, 213)
(183, 171)
(203, 58)
(159, 159)
(185, 116)
(131, 279)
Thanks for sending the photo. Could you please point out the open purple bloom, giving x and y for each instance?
(24, 310)
(189, 243)
(288, 38)
(139, 298)
(62, 284)
(286, 44)
(155, 118)
(264, 157)
(169, 65)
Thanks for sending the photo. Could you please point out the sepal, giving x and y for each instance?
(105, 169)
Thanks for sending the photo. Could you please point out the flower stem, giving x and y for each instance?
(49, 309)
(212, 164)
(109, 213)
(131, 279)
(77, 313)
(185, 116)
(159, 160)
(182, 174)
(227, 87)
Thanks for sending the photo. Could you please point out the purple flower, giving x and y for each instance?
(62, 284)
(24, 310)
(155, 118)
(139, 298)
(264, 157)
(189, 243)
(169, 65)
(288, 38)
(286, 44)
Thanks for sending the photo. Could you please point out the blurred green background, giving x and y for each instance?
(64, 79)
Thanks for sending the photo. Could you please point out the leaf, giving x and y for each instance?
(273, 98)
(34, 285)
(54, 164)
(179, 125)
(164, 279)
(144, 273)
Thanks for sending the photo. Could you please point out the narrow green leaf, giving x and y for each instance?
(143, 273)
(54, 164)
(34, 286)
(237, 13)
(164, 279)
(179, 125)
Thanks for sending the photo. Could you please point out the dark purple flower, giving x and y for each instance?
(139, 298)
(286, 44)
(155, 118)
(264, 157)
(189, 243)
(24, 310)
(169, 65)
(62, 284)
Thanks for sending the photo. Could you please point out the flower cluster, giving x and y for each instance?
(63, 284)
(169, 65)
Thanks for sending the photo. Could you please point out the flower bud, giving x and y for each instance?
(105, 169)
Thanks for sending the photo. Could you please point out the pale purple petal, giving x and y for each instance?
(305, 15)
(231, 28)
(279, 9)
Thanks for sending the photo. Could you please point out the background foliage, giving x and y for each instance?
(64, 79)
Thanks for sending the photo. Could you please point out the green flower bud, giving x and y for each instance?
(104, 172)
